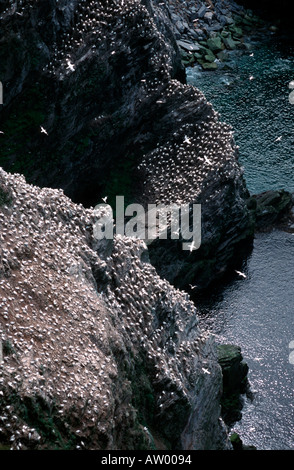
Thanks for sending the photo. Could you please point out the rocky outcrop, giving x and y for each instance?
(235, 382)
(98, 351)
(238, 444)
(95, 103)
(207, 32)
(272, 208)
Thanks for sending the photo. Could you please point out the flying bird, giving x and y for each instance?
(43, 131)
(241, 274)
(192, 287)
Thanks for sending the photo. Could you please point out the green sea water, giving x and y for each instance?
(251, 93)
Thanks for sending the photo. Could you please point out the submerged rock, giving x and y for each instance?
(271, 208)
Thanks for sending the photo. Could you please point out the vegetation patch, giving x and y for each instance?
(43, 416)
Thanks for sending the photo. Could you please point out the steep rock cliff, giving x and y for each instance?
(107, 84)
(98, 352)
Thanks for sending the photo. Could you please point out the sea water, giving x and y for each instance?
(257, 312)
(251, 93)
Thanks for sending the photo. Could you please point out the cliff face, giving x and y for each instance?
(87, 72)
(98, 351)
(107, 84)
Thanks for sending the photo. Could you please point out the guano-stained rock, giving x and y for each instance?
(100, 352)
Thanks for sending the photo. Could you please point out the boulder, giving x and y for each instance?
(201, 12)
(237, 443)
(236, 31)
(229, 43)
(189, 46)
(215, 44)
(182, 26)
(209, 57)
(208, 16)
(222, 55)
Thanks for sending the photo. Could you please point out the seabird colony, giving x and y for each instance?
(72, 321)
(75, 315)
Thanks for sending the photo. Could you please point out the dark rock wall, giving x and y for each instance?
(107, 84)
(93, 114)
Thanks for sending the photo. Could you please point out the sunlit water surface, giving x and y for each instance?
(257, 313)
